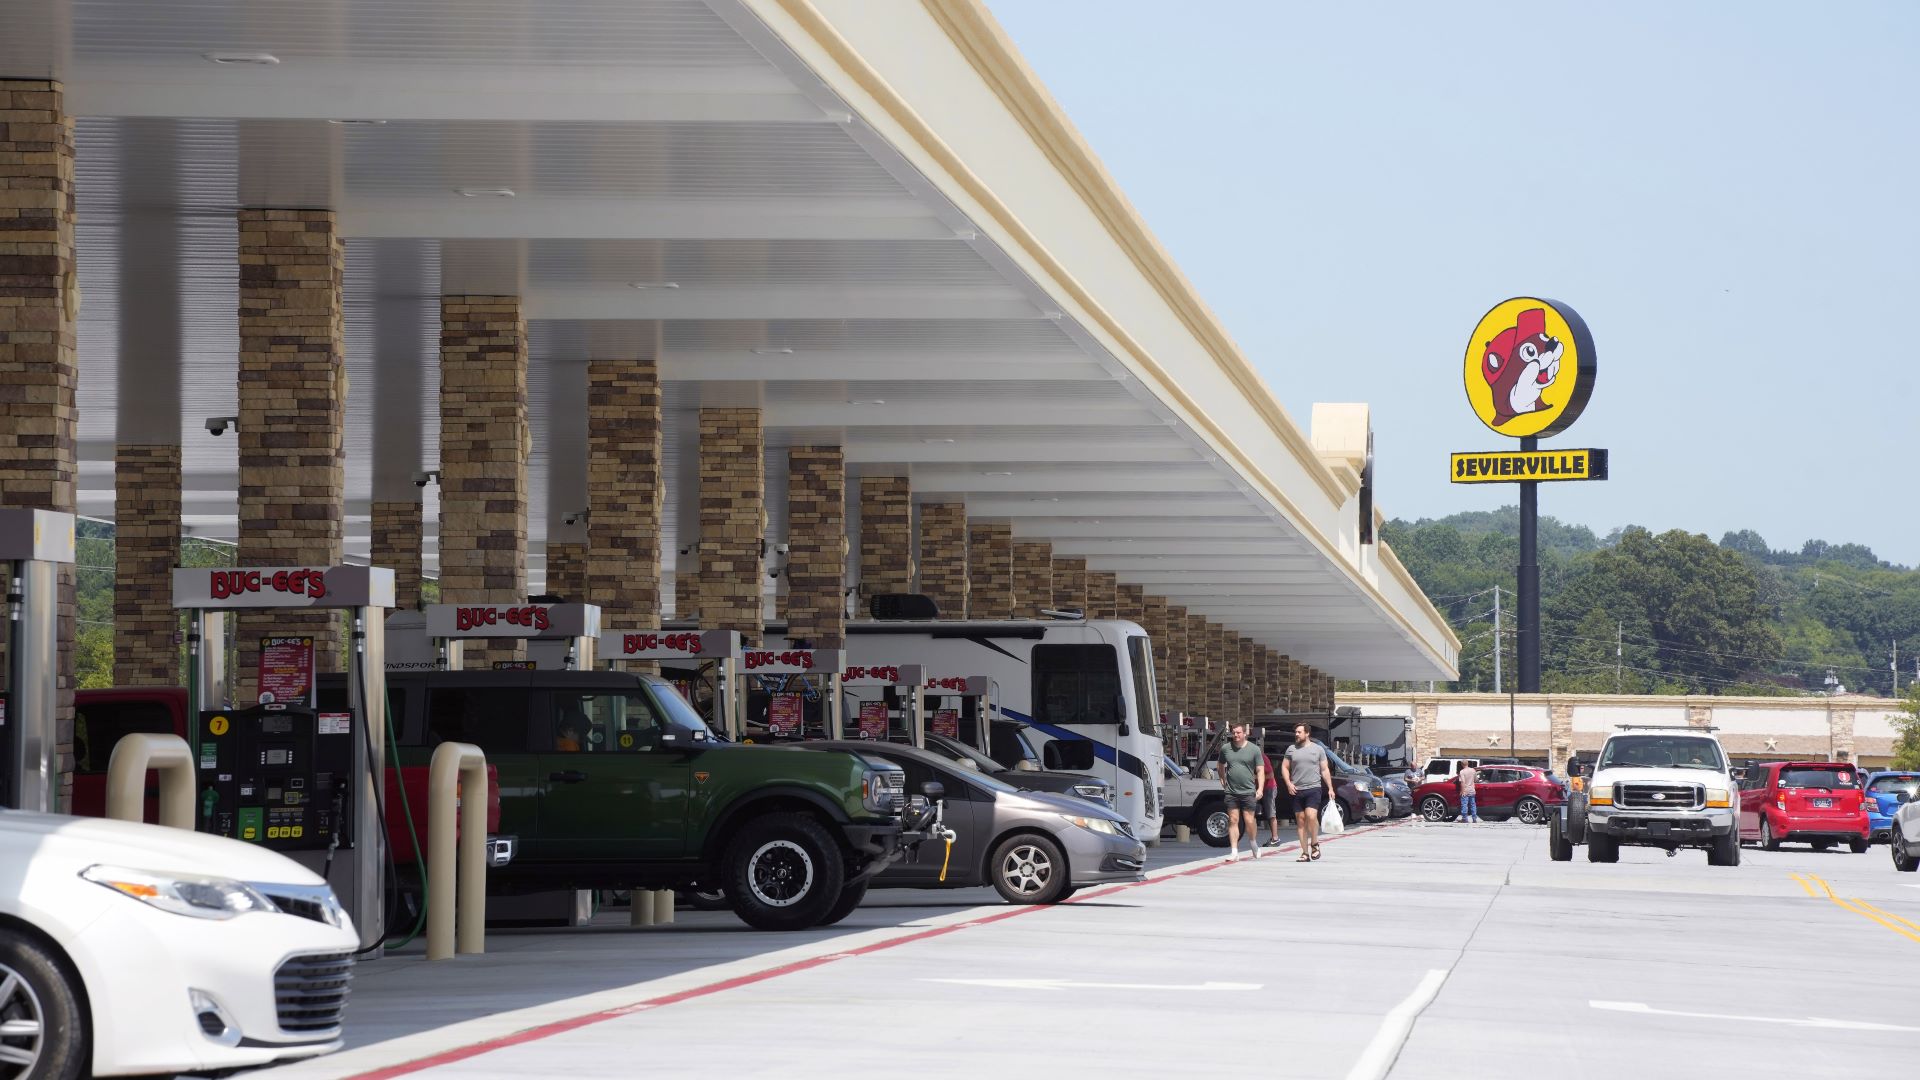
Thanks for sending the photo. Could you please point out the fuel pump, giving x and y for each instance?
(899, 694)
(707, 658)
(559, 637)
(972, 722)
(279, 773)
(33, 545)
(785, 665)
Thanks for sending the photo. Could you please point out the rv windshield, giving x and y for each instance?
(1140, 655)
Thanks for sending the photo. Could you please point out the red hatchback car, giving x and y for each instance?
(1503, 791)
(1814, 802)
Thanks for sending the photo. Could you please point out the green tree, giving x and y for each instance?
(1906, 748)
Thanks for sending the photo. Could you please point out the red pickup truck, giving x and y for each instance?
(101, 717)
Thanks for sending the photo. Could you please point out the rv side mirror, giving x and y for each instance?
(1120, 707)
(934, 790)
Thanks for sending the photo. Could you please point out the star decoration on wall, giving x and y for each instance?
(1772, 745)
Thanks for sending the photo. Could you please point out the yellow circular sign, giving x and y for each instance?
(1529, 367)
(626, 742)
(217, 725)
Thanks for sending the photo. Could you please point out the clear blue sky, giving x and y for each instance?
(1725, 191)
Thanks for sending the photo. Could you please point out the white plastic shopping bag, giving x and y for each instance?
(1330, 820)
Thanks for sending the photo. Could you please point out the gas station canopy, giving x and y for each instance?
(868, 219)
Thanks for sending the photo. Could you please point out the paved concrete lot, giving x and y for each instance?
(1660, 966)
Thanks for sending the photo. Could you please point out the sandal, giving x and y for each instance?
(1304, 857)
(1316, 851)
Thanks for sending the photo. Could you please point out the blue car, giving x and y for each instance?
(1883, 798)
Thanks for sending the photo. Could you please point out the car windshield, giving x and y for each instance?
(960, 751)
(1814, 776)
(1662, 752)
(679, 713)
(1893, 785)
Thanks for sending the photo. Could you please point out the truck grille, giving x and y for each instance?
(894, 782)
(1661, 797)
(311, 992)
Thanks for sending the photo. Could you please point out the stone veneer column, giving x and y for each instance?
(943, 557)
(39, 367)
(398, 525)
(1153, 619)
(1131, 605)
(146, 548)
(1276, 696)
(1103, 595)
(1250, 703)
(1426, 732)
(1032, 578)
(1194, 666)
(1070, 585)
(886, 537)
(1176, 631)
(293, 390)
(1840, 729)
(817, 546)
(624, 491)
(1559, 735)
(989, 570)
(733, 521)
(567, 570)
(483, 460)
(1234, 689)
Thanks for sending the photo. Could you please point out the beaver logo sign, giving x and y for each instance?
(1529, 367)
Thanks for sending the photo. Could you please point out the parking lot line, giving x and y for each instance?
(574, 1023)
(1861, 908)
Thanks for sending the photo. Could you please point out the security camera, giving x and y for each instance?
(774, 573)
(781, 548)
(422, 479)
(575, 518)
(218, 425)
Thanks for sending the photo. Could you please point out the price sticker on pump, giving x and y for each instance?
(669, 645)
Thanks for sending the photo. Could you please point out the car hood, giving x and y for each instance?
(1639, 775)
(86, 841)
(1066, 804)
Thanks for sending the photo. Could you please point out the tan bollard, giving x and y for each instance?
(1182, 834)
(640, 907)
(663, 907)
(456, 870)
(127, 769)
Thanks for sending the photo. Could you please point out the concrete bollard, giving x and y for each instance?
(663, 907)
(641, 908)
(1182, 834)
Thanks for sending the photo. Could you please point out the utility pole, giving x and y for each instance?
(1496, 640)
(1894, 666)
(1619, 636)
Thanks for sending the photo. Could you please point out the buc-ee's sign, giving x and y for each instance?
(791, 661)
(512, 620)
(282, 587)
(1529, 370)
(668, 644)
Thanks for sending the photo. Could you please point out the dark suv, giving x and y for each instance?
(610, 780)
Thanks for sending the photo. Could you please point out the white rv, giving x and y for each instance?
(1086, 685)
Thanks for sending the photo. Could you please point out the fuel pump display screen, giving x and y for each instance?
(276, 777)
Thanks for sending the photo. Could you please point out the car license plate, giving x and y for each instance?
(1822, 804)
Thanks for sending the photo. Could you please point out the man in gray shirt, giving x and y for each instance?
(1309, 781)
(1242, 773)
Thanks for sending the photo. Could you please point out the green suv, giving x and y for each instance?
(609, 780)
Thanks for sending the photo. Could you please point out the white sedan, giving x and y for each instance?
(128, 949)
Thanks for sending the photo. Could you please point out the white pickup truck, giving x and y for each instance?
(1653, 787)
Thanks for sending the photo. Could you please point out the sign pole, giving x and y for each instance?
(1528, 639)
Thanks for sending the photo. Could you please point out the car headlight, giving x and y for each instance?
(879, 795)
(182, 894)
(1718, 798)
(1094, 824)
(1094, 791)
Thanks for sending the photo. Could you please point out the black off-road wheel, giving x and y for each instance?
(43, 1029)
(850, 897)
(783, 872)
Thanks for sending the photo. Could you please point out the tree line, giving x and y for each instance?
(1637, 612)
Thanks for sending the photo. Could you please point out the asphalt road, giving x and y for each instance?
(1444, 951)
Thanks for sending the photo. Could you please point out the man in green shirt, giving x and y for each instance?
(1243, 773)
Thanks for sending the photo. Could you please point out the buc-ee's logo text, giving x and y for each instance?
(473, 618)
(223, 584)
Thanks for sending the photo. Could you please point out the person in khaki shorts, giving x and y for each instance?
(1242, 775)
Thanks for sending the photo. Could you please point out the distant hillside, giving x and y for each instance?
(1672, 613)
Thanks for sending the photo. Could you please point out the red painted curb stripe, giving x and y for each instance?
(561, 1027)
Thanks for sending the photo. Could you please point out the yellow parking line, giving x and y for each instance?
(1908, 923)
(1864, 909)
(1805, 884)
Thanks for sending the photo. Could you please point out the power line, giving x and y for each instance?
(1652, 643)
(1671, 676)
